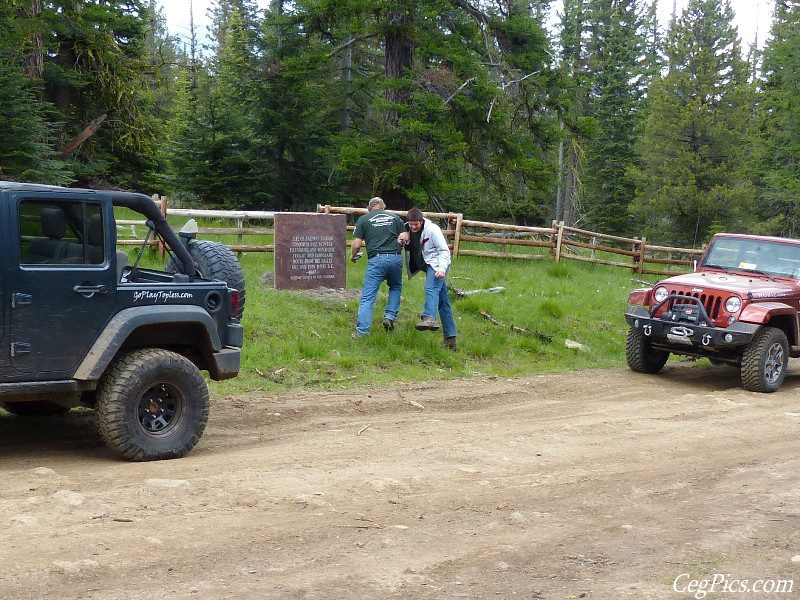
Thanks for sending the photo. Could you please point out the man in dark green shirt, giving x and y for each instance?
(378, 230)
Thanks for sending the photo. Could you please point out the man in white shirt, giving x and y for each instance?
(427, 250)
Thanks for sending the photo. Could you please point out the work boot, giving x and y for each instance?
(427, 323)
(388, 324)
(450, 342)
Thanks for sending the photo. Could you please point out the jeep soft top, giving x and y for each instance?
(80, 326)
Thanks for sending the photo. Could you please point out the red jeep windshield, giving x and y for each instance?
(754, 255)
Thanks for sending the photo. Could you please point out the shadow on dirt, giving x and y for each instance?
(73, 433)
(711, 378)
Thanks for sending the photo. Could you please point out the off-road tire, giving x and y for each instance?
(216, 261)
(762, 369)
(641, 357)
(35, 408)
(124, 389)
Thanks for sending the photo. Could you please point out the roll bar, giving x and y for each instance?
(145, 205)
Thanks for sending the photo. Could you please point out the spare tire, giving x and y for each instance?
(216, 261)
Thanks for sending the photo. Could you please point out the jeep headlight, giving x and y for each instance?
(733, 304)
(660, 294)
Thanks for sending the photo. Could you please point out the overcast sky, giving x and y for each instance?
(751, 16)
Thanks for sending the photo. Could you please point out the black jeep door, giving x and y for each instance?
(61, 287)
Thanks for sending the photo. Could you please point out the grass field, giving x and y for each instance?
(293, 339)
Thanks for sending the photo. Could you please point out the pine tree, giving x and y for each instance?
(576, 127)
(779, 136)
(615, 49)
(693, 148)
(96, 68)
(213, 154)
(27, 135)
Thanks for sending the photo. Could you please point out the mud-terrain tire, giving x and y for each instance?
(152, 404)
(641, 357)
(216, 261)
(35, 408)
(765, 360)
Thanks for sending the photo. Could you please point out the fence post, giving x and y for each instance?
(558, 240)
(594, 243)
(239, 238)
(457, 235)
(641, 255)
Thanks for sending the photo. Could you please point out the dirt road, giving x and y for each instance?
(599, 484)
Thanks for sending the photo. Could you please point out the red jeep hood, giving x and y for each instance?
(739, 284)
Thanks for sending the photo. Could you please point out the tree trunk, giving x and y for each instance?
(34, 63)
(277, 9)
(570, 183)
(399, 59)
(347, 78)
(560, 186)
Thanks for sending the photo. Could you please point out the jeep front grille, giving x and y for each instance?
(711, 302)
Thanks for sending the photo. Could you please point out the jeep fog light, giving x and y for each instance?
(733, 304)
(636, 323)
(728, 338)
(660, 294)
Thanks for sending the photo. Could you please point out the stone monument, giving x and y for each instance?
(310, 251)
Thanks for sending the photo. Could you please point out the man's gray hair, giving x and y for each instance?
(376, 203)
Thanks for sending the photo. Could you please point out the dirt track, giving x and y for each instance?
(605, 483)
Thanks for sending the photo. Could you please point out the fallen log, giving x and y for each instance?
(538, 334)
(461, 293)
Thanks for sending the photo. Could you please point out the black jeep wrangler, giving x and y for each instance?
(80, 327)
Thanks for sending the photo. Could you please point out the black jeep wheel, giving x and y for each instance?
(641, 357)
(152, 405)
(216, 261)
(36, 408)
(765, 360)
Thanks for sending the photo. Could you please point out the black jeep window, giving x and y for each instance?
(61, 233)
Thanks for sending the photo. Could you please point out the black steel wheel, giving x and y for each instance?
(765, 360)
(161, 408)
(152, 404)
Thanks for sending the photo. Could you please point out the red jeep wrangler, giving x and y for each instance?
(739, 307)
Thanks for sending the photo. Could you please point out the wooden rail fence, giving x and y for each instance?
(557, 242)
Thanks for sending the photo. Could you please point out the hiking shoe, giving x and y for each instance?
(427, 323)
(388, 324)
(450, 342)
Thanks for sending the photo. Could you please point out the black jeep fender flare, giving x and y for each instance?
(125, 322)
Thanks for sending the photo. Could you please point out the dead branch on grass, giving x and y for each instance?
(538, 334)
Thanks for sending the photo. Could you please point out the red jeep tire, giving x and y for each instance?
(765, 360)
(641, 357)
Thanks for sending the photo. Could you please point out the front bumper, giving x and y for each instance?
(688, 337)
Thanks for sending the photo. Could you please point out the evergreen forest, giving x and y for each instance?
(609, 120)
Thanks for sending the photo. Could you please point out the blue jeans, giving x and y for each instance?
(380, 268)
(437, 298)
